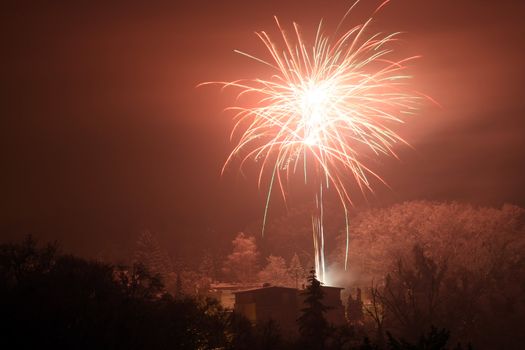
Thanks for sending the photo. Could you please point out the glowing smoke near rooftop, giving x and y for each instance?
(325, 104)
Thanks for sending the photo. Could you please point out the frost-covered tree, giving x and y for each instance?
(479, 296)
(296, 271)
(478, 239)
(275, 272)
(241, 264)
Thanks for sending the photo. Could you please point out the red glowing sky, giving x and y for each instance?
(104, 132)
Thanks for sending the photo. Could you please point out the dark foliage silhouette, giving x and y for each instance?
(50, 300)
(313, 326)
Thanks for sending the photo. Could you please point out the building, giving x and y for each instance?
(283, 305)
(225, 292)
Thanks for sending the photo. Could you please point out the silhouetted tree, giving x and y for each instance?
(376, 310)
(433, 340)
(137, 282)
(354, 309)
(313, 326)
(64, 302)
(480, 296)
(269, 335)
(18, 261)
(240, 332)
(150, 253)
(343, 337)
(412, 294)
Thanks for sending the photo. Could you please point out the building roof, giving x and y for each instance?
(279, 287)
(263, 288)
(234, 286)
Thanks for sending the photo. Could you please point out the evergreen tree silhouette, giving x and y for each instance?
(313, 326)
(150, 253)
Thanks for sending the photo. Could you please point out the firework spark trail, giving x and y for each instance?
(323, 104)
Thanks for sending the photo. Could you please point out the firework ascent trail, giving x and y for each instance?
(324, 104)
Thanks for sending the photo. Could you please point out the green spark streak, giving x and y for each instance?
(268, 198)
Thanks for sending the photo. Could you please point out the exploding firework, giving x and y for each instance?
(325, 104)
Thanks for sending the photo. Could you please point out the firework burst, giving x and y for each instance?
(326, 102)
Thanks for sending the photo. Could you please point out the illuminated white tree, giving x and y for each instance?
(275, 272)
(241, 264)
(296, 271)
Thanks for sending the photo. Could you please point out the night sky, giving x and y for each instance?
(104, 133)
